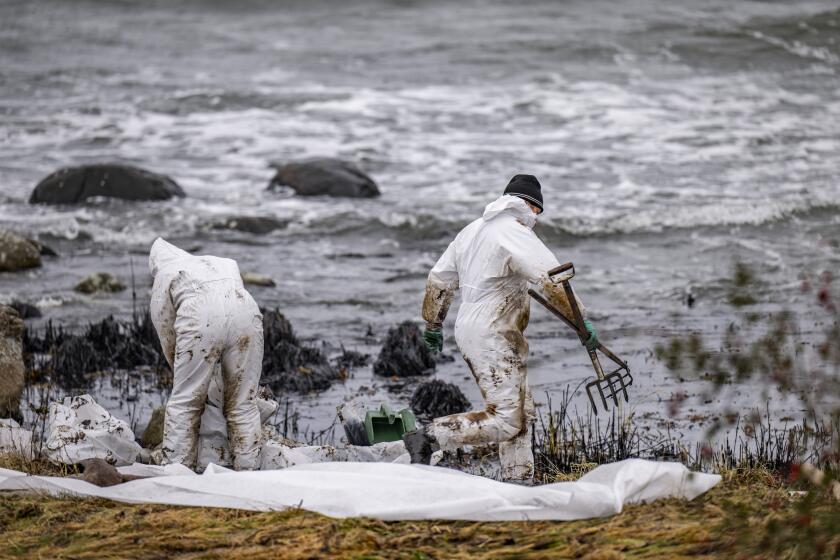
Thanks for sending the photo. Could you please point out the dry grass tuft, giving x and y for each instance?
(23, 463)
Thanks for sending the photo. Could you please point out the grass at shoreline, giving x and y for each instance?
(37, 526)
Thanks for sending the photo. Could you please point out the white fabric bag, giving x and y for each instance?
(80, 429)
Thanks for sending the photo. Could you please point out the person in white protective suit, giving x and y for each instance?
(203, 316)
(492, 261)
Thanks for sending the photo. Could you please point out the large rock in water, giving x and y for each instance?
(74, 185)
(17, 253)
(324, 176)
(404, 353)
(11, 362)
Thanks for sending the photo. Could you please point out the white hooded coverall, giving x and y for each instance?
(493, 261)
(203, 315)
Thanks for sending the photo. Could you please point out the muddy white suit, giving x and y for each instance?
(203, 316)
(493, 261)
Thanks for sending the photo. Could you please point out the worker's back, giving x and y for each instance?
(485, 250)
(185, 275)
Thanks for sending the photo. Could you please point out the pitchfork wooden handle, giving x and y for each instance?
(556, 312)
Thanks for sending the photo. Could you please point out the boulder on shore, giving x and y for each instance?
(17, 253)
(324, 176)
(404, 353)
(74, 185)
(11, 362)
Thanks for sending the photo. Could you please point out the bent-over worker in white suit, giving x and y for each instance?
(203, 316)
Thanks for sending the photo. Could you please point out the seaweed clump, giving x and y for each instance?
(437, 398)
(68, 358)
(404, 353)
(289, 365)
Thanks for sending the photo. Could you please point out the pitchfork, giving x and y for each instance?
(608, 385)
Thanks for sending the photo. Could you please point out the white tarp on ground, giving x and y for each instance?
(390, 491)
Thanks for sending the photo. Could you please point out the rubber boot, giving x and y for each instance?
(419, 446)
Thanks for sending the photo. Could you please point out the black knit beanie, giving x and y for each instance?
(526, 187)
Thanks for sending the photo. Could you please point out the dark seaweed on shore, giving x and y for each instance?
(567, 442)
(289, 365)
(68, 358)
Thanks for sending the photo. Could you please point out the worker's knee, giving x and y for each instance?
(185, 404)
(510, 425)
(246, 411)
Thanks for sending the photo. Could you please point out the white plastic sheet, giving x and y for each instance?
(14, 439)
(391, 491)
(80, 429)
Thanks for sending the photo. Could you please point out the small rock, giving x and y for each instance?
(74, 185)
(100, 473)
(11, 362)
(404, 353)
(153, 434)
(25, 310)
(45, 250)
(254, 279)
(252, 224)
(437, 398)
(17, 253)
(99, 282)
(324, 176)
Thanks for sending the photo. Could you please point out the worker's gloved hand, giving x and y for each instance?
(433, 339)
(591, 342)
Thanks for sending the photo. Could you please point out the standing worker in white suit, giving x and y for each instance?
(203, 316)
(493, 261)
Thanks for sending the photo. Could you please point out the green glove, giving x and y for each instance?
(591, 342)
(433, 340)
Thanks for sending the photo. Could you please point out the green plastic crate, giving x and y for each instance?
(386, 425)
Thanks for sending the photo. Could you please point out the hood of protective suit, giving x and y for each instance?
(513, 206)
(179, 273)
(164, 255)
